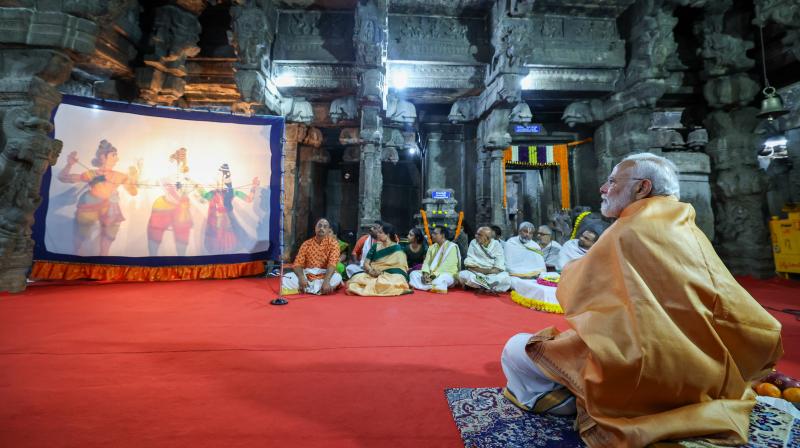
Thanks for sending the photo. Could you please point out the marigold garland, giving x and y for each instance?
(578, 223)
(425, 225)
(458, 226)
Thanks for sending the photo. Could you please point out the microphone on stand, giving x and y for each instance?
(280, 300)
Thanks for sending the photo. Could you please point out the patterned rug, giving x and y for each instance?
(486, 419)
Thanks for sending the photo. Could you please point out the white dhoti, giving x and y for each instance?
(290, 284)
(529, 293)
(496, 282)
(528, 384)
(353, 269)
(439, 284)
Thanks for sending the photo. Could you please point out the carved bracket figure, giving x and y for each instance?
(399, 111)
(343, 109)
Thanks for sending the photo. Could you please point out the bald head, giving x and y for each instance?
(484, 235)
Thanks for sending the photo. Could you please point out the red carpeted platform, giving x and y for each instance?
(210, 363)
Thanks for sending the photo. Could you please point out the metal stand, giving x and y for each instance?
(280, 300)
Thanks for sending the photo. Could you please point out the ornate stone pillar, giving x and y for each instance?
(742, 235)
(173, 38)
(309, 153)
(370, 185)
(38, 44)
(493, 138)
(295, 133)
(434, 171)
(28, 89)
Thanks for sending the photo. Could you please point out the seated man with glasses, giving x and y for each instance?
(550, 247)
(663, 343)
(577, 248)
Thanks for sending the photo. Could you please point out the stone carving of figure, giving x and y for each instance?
(297, 110)
(583, 112)
(352, 154)
(349, 136)
(400, 111)
(463, 110)
(389, 154)
(175, 34)
(343, 109)
(249, 25)
(521, 114)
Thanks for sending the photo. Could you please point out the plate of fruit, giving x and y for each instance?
(779, 385)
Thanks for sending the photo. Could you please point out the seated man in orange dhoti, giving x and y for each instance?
(663, 343)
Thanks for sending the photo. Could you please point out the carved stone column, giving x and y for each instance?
(28, 96)
(742, 235)
(309, 153)
(173, 38)
(370, 185)
(295, 133)
(494, 138)
(434, 171)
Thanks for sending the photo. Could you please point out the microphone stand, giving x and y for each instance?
(280, 300)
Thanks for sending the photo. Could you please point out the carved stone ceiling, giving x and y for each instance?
(454, 8)
(592, 8)
(318, 4)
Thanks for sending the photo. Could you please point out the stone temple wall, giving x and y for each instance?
(451, 78)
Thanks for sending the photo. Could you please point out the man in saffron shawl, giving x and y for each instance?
(315, 264)
(440, 266)
(663, 343)
(385, 267)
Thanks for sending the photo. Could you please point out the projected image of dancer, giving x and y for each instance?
(171, 210)
(223, 231)
(100, 203)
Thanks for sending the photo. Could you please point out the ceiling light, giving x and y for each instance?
(398, 79)
(285, 80)
(527, 83)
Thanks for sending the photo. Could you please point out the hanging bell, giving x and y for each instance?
(771, 105)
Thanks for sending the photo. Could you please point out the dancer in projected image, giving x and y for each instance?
(172, 210)
(224, 234)
(100, 203)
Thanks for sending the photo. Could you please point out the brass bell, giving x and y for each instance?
(771, 105)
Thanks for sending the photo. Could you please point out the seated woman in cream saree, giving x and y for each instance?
(384, 268)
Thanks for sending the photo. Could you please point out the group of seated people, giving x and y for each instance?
(662, 343)
(380, 265)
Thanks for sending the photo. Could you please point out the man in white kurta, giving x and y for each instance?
(524, 258)
(524, 262)
(485, 265)
(440, 266)
(575, 249)
(550, 247)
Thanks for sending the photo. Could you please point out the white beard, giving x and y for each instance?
(612, 207)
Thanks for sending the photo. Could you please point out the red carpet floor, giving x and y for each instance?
(210, 363)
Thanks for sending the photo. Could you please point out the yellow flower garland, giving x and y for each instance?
(578, 223)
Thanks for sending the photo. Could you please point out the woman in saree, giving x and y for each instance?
(384, 268)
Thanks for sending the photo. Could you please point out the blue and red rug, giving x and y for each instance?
(486, 419)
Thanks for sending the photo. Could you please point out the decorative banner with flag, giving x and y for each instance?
(539, 157)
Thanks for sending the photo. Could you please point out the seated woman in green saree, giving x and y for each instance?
(384, 269)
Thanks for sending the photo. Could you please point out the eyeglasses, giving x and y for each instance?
(543, 234)
(611, 181)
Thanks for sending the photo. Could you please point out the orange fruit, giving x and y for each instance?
(792, 394)
(770, 390)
